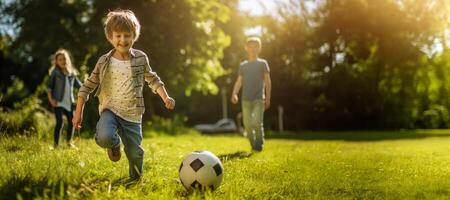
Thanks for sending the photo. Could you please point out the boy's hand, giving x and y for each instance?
(170, 103)
(266, 104)
(76, 120)
(234, 99)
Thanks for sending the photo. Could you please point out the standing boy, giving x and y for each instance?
(120, 77)
(254, 77)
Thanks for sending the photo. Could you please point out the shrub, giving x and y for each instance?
(167, 126)
(436, 116)
(26, 116)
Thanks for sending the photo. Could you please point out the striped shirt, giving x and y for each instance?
(140, 72)
(118, 93)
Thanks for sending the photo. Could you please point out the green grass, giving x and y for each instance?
(307, 165)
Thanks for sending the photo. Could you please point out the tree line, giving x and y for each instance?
(335, 64)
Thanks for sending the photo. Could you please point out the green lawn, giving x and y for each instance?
(308, 165)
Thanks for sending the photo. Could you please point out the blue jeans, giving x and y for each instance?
(111, 129)
(253, 114)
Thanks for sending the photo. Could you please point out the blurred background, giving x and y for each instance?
(335, 64)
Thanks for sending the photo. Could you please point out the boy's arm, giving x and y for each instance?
(157, 86)
(83, 94)
(236, 88)
(268, 89)
(152, 79)
(78, 117)
(168, 101)
(91, 82)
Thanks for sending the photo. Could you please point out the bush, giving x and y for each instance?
(166, 126)
(13, 93)
(27, 117)
(436, 116)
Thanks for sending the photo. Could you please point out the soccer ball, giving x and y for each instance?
(201, 170)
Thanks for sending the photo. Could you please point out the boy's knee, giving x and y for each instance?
(103, 141)
(105, 138)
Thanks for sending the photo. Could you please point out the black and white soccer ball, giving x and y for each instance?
(201, 170)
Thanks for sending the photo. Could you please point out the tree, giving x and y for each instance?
(354, 63)
(182, 38)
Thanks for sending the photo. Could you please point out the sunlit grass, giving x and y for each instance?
(311, 165)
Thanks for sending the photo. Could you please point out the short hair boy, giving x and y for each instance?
(119, 77)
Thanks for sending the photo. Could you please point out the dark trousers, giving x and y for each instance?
(59, 124)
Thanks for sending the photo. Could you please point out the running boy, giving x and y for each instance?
(119, 78)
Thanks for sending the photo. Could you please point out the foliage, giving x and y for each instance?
(167, 126)
(15, 92)
(27, 116)
(178, 36)
(354, 67)
(182, 38)
(335, 64)
(435, 117)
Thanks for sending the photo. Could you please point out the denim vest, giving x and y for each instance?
(56, 84)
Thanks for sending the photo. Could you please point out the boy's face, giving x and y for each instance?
(122, 41)
(252, 48)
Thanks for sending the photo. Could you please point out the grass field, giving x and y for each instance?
(306, 165)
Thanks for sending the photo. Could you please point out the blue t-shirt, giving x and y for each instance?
(252, 73)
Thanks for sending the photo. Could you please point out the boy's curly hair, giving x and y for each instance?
(122, 21)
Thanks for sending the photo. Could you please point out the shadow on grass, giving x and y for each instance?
(357, 136)
(236, 155)
(194, 194)
(27, 188)
(126, 182)
(13, 149)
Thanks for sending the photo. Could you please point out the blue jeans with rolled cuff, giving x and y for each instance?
(112, 129)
